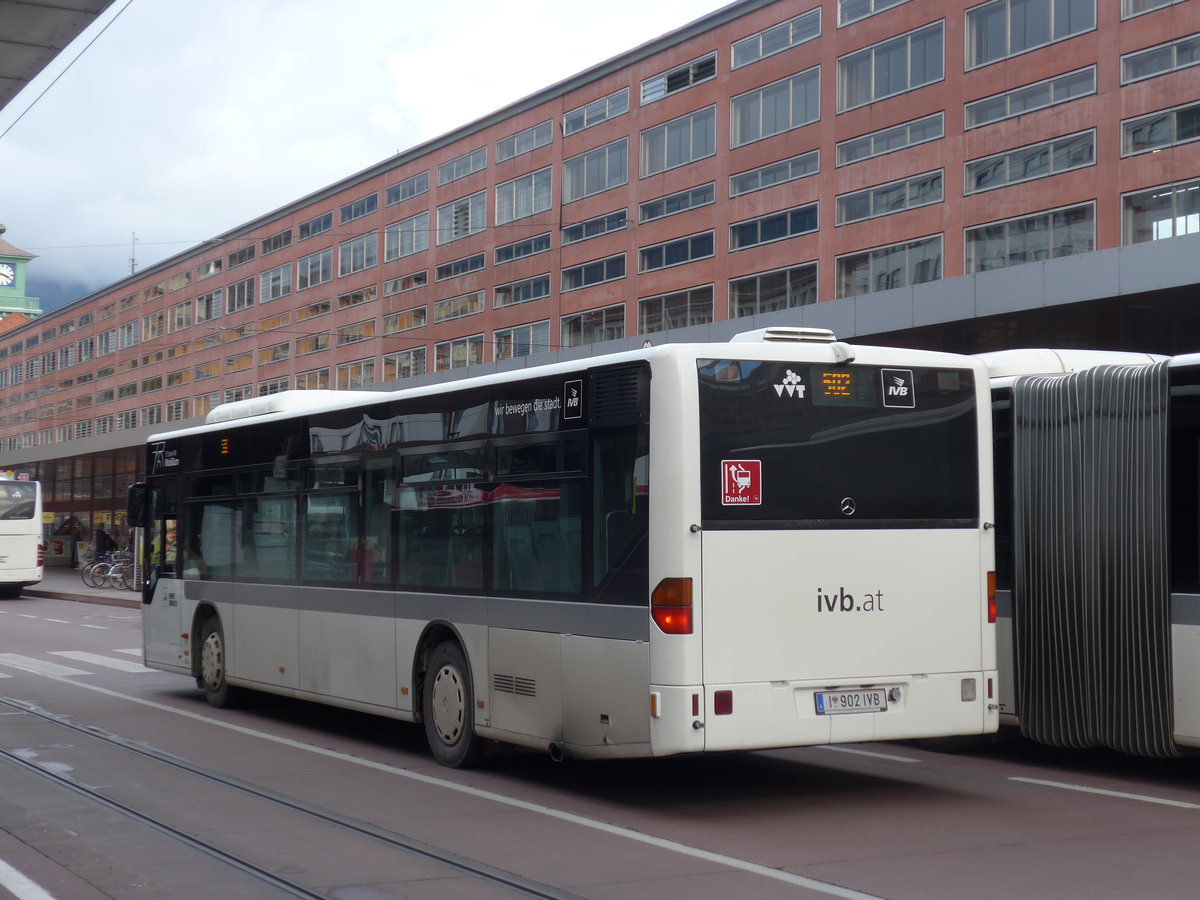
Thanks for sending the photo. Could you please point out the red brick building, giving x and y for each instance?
(965, 175)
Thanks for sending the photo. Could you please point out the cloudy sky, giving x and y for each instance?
(186, 119)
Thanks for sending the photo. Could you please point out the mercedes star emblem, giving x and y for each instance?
(848, 506)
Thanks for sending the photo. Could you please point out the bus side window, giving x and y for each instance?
(620, 498)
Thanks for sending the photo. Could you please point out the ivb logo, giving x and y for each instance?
(899, 388)
(573, 399)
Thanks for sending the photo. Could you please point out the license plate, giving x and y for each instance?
(837, 703)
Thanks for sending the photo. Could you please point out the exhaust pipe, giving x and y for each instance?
(556, 753)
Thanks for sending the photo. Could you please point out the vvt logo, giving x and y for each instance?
(573, 399)
(899, 388)
(792, 386)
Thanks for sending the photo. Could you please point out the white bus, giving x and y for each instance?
(21, 544)
(1098, 547)
(687, 548)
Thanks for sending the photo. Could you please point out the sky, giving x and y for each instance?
(183, 120)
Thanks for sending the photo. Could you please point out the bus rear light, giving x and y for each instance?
(695, 704)
(671, 605)
(991, 696)
(991, 597)
(723, 703)
(41, 555)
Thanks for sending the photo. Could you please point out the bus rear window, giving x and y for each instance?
(17, 500)
(837, 446)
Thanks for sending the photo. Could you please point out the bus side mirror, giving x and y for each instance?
(135, 510)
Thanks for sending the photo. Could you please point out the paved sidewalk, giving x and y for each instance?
(65, 584)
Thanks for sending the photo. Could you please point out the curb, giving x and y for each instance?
(132, 603)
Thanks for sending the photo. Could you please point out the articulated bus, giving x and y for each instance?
(783, 540)
(21, 543)
(1098, 548)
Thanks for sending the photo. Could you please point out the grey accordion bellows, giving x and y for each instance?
(1092, 601)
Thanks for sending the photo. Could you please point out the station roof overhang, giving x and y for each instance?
(33, 33)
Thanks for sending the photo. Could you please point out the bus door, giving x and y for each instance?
(840, 522)
(162, 594)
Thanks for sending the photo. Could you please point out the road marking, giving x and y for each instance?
(101, 627)
(1122, 795)
(27, 616)
(61, 621)
(96, 659)
(135, 651)
(731, 862)
(38, 666)
(871, 753)
(19, 886)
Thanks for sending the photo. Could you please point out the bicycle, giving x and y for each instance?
(95, 573)
(121, 575)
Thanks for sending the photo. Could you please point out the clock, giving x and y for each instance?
(7, 274)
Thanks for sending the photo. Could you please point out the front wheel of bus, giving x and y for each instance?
(449, 708)
(219, 692)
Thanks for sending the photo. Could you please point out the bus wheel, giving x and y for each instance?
(219, 692)
(449, 708)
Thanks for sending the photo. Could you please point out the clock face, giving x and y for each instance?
(7, 274)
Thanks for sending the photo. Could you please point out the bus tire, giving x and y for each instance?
(11, 591)
(219, 692)
(448, 708)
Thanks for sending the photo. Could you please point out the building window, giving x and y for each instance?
(1013, 242)
(524, 141)
(314, 380)
(520, 249)
(203, 404)
(802, 166)
(777, 38)
(521, 291)
(1161, 129)
(240, 295)
(234, 394)
(358, 254)
(676, 310)
(239, 363)
(460, 266)
(206, 270)
(467, 164)
(853, 10)
(679, 142)
(884, 268)
(1130, 8)
(522, 340)
(357, 374)
(356, 298)
(595, 272)
(127, 334)
(523, 197)
(776, 108)
(126, 420)
(276, 283)
(353, 334)
(775, 227)
(312, 310)
(459, 307)
(582, 231)
(676, 252)
(1005, 28)
(106, 342)
(150, 415)
(270, 323)
(1160, 60)
(457, 354)
(274, 386)
(404, 364)
(891, 67)
(104, 424)
(596, 171)
(1041, 94)
(208, 306)
(275, 353)
(314, 226)
(593, 326)
(406, 189)
(1163, 212)
(150, 385)
(179, 317)
(887, 141)
(406, 320)
(893, 197)
(356, 209)
(242, 256)
(83, 429)
(313, 343)
(677, 203)
(1075, 151)
(175, 379)
(773, 291)
(615, 104)
(405, 283)
(178, 410)
(679, 79)
(277, 242)
(406, 237)
(462, 218)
